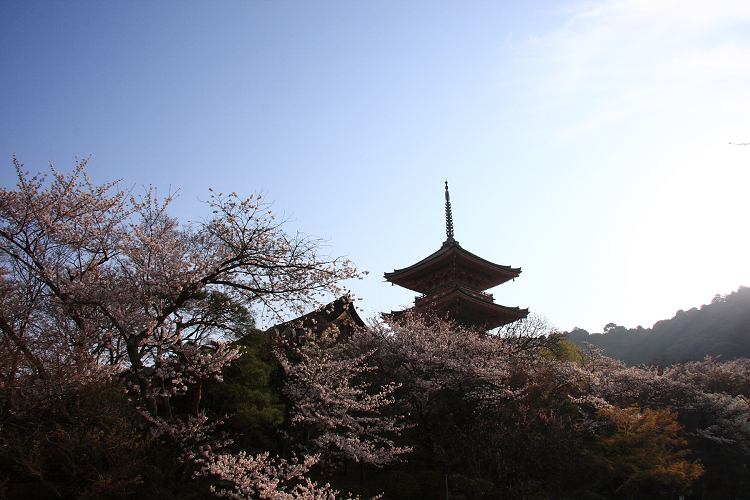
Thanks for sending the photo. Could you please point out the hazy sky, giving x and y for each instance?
(585, 142)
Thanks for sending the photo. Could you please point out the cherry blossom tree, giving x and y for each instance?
(333, 400)
(97, 282)
(251, 476)
(92, 275)
(429, 355)
(488, 406)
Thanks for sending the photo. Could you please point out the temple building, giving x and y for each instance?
(453, 281)
(340, 313)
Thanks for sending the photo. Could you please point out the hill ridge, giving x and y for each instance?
(721, 328)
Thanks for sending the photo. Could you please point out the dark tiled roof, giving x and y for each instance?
(322, 317)
(476, 311)
(494, 273)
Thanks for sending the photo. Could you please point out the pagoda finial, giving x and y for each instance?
(448, 215)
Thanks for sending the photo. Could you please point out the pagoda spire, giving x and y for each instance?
(448, 215)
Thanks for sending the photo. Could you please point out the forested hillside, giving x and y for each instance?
(721, 328)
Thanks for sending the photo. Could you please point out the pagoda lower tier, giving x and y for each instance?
(465, 306)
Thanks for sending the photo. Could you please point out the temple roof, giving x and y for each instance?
(341, 313)
(451, 255)
(468, 307)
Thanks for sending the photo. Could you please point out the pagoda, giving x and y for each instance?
(453, 281)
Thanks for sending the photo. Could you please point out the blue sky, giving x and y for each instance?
(586, 142)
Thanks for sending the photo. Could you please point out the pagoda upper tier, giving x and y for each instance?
(451, 263)
(452, 282)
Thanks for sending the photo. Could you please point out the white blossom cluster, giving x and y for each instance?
(330, 393)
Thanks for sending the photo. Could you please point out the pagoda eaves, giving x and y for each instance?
(465, 306)
(452, 263)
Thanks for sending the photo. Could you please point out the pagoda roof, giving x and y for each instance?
(467, 307)
(488, 274)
